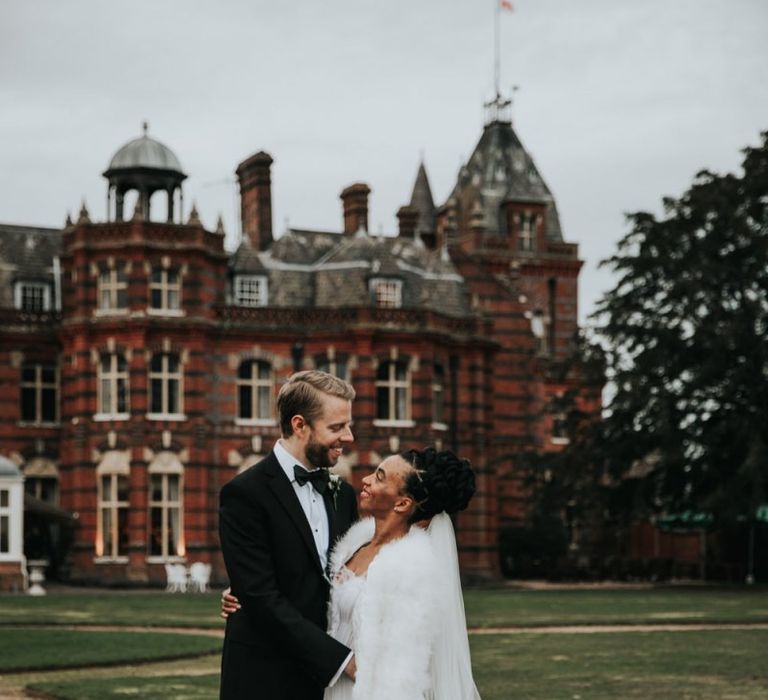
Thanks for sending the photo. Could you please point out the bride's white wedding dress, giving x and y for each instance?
(404, 618)
(346, 589)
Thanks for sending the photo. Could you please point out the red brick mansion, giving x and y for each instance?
(139, 360)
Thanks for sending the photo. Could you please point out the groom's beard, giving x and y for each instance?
(318, 455)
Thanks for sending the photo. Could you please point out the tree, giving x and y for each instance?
(685, 332)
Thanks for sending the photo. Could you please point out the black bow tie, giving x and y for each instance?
(318, 478)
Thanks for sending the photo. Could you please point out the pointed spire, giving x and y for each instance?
(83, 217)
(220, 226)
(68, 221)
(194, 217)
(422, 201)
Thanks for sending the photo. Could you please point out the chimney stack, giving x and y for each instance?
(253, 174)
(408, 218)
(355, 199)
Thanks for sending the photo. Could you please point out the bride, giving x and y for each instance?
(395, 589)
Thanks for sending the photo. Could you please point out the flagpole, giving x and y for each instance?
(496, 50)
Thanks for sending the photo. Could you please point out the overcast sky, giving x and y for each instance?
(620, 102)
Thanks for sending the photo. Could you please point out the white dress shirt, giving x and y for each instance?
(311, 502)
(314, 508)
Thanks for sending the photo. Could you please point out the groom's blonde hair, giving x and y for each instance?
(302, 394)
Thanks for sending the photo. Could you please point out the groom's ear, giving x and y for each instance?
(298, 423)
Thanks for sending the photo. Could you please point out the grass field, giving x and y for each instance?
(59, 648)
(691, 665)
(485, 607)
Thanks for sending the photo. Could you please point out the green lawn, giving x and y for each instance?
(522, 608)
(94, 607)
(485, 607)
(60, 648)
(709, 665)
(691, 665)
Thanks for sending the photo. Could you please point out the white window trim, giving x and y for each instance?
(114, 507)
(164, 375)
(166, 416)
(18, 294)
(113, 375)
(391, 423)
(392, 384)
(38, 386)
(390, 285)
(261, 281)
(256, 421)
(112, 285)
(165, 505)
(256, 383)
(439, 426)
(165, 287)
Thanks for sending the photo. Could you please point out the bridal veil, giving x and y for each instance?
(451, 667)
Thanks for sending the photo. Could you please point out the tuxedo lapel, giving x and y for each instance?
(286, 496)
(333, 525)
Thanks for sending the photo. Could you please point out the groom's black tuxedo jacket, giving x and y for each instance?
(276, 647)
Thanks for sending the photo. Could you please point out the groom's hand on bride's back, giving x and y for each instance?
(229, 603)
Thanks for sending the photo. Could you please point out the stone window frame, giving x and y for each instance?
(114, 377)
(261, 388)
(110, 282)
(27, 294)
(168, 468)
(528, 223)
(116, 509)
(259, 290)
(165, 376)
(395, 387)
(165, 287)
(38, 385)
(386, 292)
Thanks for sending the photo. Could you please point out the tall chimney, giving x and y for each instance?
(355, 199)
(253, 174)
(408, 218)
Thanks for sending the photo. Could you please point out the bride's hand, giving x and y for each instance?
(229, 604)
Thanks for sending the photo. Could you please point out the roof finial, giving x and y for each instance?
(83, 217)
(145, 126)
(220, 226)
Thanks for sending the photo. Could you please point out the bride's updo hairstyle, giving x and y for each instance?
(439, 481)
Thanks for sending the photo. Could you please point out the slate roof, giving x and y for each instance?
(502, 170)
(324, 269)
(26, 253)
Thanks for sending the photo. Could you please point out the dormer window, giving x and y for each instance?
(32, 296)
(251, 290)
(387, 292)
(527, 235)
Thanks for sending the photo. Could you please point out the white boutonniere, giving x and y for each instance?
(334, 486)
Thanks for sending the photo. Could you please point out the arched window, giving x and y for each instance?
(254, 391)
(112, 526)
(393, 391)
(166, 524)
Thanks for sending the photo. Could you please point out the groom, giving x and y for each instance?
(277, 522)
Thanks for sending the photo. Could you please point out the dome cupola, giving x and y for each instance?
(147, 166)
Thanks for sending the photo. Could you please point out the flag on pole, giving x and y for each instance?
(506, 5)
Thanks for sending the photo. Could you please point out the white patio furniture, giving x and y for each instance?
(199, 576)
(176, 576)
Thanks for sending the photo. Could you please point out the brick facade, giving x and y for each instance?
(153, 381)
